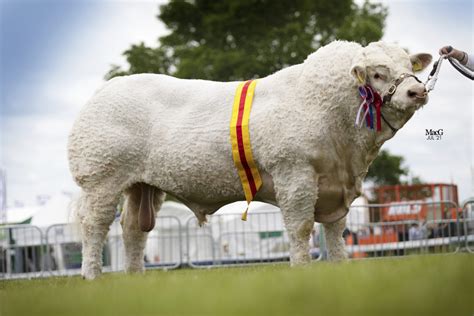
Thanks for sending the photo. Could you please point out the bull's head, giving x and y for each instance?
(390, 70)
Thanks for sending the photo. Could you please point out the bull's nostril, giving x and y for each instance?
(411, 94)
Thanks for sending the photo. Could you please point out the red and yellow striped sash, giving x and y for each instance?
(240, 139)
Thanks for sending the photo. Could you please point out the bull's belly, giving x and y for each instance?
(205, 182)
(199, 171)
(205, 189)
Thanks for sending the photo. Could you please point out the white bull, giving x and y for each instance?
(146, 135)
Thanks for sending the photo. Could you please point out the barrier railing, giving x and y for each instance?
(164, 248)
(404, 228)
(373, 230)
(200, 250)
(22, 251)
(63, 243)
(227, 240)
(468, 224)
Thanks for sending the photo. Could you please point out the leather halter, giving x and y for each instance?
(394, 130)
(391, 91)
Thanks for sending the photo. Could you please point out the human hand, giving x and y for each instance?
(449, 51)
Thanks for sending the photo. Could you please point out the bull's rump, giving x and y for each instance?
(157, 127)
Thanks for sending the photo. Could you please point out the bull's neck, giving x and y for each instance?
(339, 117)
(338, 113)
(367, 142)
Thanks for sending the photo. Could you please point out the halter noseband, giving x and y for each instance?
(391, 91)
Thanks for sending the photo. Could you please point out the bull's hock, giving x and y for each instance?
(173, 135)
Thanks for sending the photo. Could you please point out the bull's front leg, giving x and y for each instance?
(335, 241)
(296, 194)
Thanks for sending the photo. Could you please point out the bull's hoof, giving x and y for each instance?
(135, 269)
(338, 256)
(90, 273)
(300, 260)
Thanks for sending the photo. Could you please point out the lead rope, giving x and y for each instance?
(433, 76)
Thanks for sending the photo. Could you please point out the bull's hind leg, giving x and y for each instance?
(334, 241)
(296, 193)
(96, 213)
(135, 230)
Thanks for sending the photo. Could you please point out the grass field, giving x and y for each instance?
(417, 285)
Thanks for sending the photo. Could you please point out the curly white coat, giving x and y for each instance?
(173, 134)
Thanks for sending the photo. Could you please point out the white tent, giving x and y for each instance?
(56, 210)
(358, 216)
(167, 242)
(262, 236)
(225, 236)
(18, 215)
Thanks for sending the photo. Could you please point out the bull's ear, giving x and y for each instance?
(359, 73)
(420, 61)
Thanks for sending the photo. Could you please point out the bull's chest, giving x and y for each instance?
(334, 196)
(334, 199)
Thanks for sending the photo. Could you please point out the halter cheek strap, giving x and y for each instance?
(391, 91)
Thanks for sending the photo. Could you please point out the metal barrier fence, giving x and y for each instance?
(468, 213)
(22, 252)
(27, 251)
(374, 230)
(227, 240)
(164, 248)
(63, 246)
(404, 228)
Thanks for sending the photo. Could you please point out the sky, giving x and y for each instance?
(54, 54)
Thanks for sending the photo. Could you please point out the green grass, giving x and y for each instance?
(416, 285)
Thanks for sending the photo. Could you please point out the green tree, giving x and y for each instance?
(237, 40)
(415, 180)
(387, 169)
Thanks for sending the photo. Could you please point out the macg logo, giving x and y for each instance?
(434, 134)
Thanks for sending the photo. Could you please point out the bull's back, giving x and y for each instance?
(190, 140)
(138, 120)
